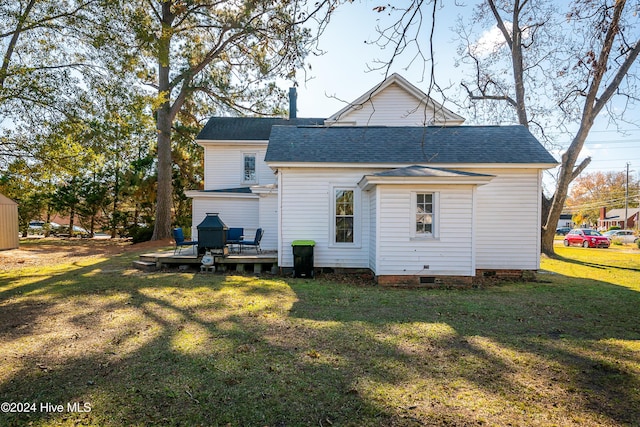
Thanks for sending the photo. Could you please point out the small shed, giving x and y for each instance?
(8, 223)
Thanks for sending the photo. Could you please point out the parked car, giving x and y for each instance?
(624, 236)
(63, 231)
(586, 238)
(562, 231)
(36, 225)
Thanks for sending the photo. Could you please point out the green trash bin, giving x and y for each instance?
(303, 258)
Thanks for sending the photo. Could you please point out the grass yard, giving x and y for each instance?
(119, 347)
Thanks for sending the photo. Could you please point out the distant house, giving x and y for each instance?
(616, 218)
(566, 220)
(391, 183)
(8, 223)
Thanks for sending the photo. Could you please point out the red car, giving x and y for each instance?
(587, 238)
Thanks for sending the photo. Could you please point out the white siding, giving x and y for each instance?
(233, 211)
(493, 226)
(449, 254)
(306, 201)
(223, 166)
(508, 220)
(268, 220)
(246, 212)
(391, 107)
(373, 230)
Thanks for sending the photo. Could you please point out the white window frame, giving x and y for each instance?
(255, 165)
(356, 217)
(435, 229)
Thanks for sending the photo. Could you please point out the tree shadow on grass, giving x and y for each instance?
(172, 349)
(597, 265)
(544, 344)
(192, 349)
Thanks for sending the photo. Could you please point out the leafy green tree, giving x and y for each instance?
(67, 198)
(139, 184)
(94, 199)
(222, 53)
(42, 45)
(120, 128)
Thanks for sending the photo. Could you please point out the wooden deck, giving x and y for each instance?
(265, 261)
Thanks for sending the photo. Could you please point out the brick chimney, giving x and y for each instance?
(603, 214)
(293, 102)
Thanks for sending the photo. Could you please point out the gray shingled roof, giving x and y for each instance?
(239, 190)
(248, 128)
(408, 145)
(423, 171)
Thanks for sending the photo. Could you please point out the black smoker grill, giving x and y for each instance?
(212, 234)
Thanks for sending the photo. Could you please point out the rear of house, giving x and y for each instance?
(411, 204)
(238, 185)
(392, 183)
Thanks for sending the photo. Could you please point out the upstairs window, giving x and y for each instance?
(249, 168)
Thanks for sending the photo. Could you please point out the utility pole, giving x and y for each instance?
(626, 201)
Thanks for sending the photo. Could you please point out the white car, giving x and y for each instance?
(624, 236)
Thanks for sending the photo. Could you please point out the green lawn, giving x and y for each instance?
(194, 349)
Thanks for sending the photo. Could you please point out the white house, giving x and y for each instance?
(238, 184)
(392, 183)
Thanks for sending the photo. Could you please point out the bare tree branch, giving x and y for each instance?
(582, 166)
(484, 97)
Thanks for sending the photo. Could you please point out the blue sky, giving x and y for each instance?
(342, 73)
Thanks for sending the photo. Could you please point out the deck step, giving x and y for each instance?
(243, 262)
(145, 265)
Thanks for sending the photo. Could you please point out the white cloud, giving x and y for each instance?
(490, 41)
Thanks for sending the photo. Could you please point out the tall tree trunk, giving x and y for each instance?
(47, 231)
(518, 67)
(162, 228)
(514, 41)
(567, 174)
(72, 213)
(116, 194)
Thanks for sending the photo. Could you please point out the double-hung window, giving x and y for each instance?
(249, 168)
(424, 216)
(344, 215)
